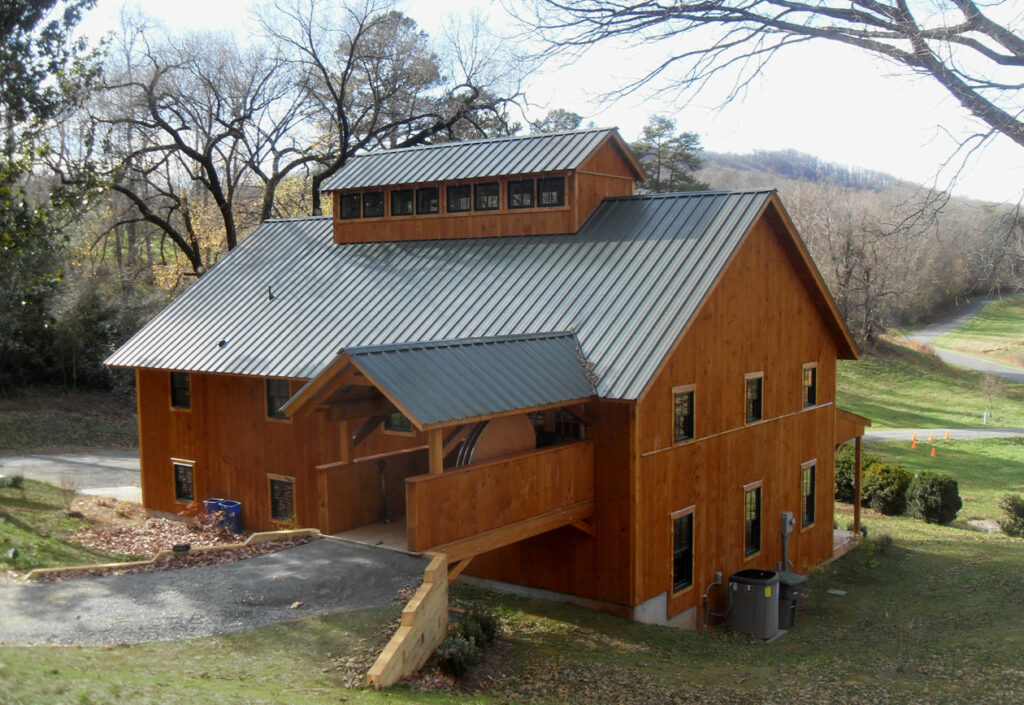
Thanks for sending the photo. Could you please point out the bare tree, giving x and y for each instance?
(977, 56)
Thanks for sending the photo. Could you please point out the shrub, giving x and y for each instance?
(456, 654)
(1013, 523)
(934, 497)
(845, 462)
(15, 481)
(885, 488)
(478, 625)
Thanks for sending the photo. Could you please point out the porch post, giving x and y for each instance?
(435, 437)
(345, 437)
(856, 485)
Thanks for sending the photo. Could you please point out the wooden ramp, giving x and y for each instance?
(386, 535)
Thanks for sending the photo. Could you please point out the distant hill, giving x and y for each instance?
(796, 166)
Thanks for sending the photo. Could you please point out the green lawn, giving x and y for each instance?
(996, 333)
(933, 618)
(33, 523)
(898, 387)
(985, 469)
(42, 419)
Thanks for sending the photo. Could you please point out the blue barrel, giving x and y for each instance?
(232, 520)
(212, 505)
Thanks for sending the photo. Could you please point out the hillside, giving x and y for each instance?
(799, 166)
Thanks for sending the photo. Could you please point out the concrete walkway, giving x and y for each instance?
(326, 576)
(112, 473)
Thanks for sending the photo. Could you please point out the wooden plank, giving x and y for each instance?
(456, 570)
(435, 439)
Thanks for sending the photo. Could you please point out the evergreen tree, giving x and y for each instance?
(668, 158)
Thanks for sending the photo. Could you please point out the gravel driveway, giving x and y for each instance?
(326, 576)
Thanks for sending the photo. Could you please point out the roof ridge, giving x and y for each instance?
(457, 342)
(687, 194)
(499, 138)
(296, 218)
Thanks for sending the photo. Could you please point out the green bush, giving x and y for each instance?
(479, 625)
(13, 481)
(885, 488)
(845, 462)
(934, 497)
(456, 654)
(1013, 523)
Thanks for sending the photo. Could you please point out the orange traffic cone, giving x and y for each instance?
(931, 437)
(933, 452)
(947, 435)
(913, 446)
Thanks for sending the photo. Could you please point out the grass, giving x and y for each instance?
(985, 469)
(919, 620)
(996, 333)
(33, 521)
(899, 387)
(49, 420)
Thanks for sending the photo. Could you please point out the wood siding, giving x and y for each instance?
(366, 491)
(469, 501)
(760, 317)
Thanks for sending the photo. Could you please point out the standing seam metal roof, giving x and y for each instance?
(450, 380)
(626, 284)
(534, 154)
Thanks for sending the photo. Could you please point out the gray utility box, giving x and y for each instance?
(754, 598)
(791, 587)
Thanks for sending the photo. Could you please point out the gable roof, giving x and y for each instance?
(627, 284)
(460, 379)
(452, 161)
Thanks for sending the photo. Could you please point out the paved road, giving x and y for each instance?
(926, 335)
(955, 434)
(326, 576)
(103, 473)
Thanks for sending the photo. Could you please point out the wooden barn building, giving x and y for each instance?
(495, 349)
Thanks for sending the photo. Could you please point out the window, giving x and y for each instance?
(520, 194)
(401, 202)
(682, 402)
(428, 200)
(682, 549)
(397, 421)
(752, 520)
(486, 197)
(807, 493)
(551, 192)
(282, 498)
(277, 394)
(373, 204)
(181, 394)
(755, 390)
(459, 199)
(567, 425)
(184, 482)
(350, 205)
(810, 384)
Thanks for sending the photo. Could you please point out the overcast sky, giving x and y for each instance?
(832, 102)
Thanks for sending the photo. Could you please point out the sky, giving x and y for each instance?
(832, 102)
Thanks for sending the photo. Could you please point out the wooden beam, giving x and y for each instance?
(585, 526)
(435, 440)
(368, 427)
(578, 415)
(345, 441)
(456, 570)
(856, 485)
(453, 438)
(518, 531)
(359, 409)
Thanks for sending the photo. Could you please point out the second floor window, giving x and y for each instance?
(351, 205)
(551, 191)
(428, 200)
(401, 202)
(459, 198)
(486, 197)
(373, 204)
(181, 391)
(682, 402)
(277, 394)
(397, 421)
(755, 391)
(810, 384)
(520, 194)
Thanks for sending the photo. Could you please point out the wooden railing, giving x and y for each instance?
(459, 504)
(354, 494)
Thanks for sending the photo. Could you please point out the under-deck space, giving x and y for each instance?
(384, 534)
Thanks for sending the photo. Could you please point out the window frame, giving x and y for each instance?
(541, 182)
(811, 465)
(424, 191)
(371, 194)
(271, 479)
(690, 512)
(510, 196)
(476, 195)
(176, 403)
(749, 551)
(677, 392)
(276, 415)
(402, 193)
(388, 427)
(747, 379)
(358, 197)
(448, 196)
(181, 463)
(811, 367)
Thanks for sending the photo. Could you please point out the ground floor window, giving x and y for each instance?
(282, 497)
(184, 481)
(807, 493)
(682, 549)
(752, 519)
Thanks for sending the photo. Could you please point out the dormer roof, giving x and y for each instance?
(493, 157)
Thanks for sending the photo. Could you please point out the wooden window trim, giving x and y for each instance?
(747, 421)
(682, 389)
(266, 401)
(755, 485)
(691, 510)
(813, 464)
(174, 480)
(803, 371)
(170, 383)
(270, 498)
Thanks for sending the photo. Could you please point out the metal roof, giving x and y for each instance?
(534, 154)
(459, 379)
(626, 284)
